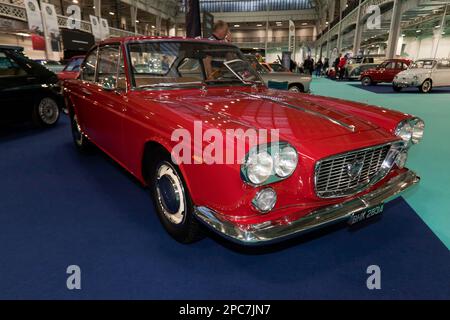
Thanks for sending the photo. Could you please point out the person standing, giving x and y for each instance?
(319, 66)
(221, 31)
(342, 63)
(326, 66)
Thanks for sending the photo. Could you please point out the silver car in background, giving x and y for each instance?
(425, 74)
(296, 82)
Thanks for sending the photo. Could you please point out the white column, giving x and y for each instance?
(358, 31)
(394, 30)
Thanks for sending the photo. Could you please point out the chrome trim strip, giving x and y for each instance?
(318, 114)
(263, 233)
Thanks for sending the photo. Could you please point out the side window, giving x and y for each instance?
(404, 66)
(444, 64)
(191, 68)
(390, 65)
(9, 68)
(108, 59)
(88, 69)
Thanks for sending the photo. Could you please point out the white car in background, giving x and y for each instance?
(424, 74)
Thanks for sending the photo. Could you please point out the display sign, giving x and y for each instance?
(95, 25)
(208, 24)
(104, 28)
(50, 18)
(77, 40)
(74, 17)
(291, 44)
(34, 15)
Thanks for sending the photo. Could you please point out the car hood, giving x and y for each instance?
(299, 117)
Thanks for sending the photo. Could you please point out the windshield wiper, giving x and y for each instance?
(171, 84)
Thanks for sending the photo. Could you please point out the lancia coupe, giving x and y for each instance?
(327, 161)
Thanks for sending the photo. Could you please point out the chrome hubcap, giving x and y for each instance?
(366, 81)
(426, 86)
(294, 89)
(48, 111)
(170, 192)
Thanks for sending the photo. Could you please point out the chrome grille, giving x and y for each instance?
(333, 177)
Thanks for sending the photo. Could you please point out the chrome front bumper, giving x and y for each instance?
(264, 233)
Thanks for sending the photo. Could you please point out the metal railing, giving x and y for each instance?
(15, 9)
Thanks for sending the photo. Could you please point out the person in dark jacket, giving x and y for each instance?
(319, 66)
(326, 66)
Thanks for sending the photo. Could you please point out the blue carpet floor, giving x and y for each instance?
(60, 208)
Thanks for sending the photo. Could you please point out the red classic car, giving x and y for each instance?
(185, 125)
(72, 68)
(385, 72)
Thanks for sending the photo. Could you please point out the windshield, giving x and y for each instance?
(182, 63)
(255, 64)
(74, 64)
(423, 64)
(277, 67)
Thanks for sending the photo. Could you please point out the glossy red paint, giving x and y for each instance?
(387, 70)
(122, 122)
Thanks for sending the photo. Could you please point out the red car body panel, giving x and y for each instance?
(387, 74)
(122, 123)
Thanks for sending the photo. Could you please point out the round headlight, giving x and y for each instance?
(265, 200)
(417, 130)
(259, 167)
(404, 131)
(285, 161)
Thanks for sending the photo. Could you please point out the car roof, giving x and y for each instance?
(154, 38)
(15, 48)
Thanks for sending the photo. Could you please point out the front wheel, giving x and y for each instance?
(426, 86)
(173, 203)
(366, 81)
(46, 112)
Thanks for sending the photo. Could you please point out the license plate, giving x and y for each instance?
(366, 214)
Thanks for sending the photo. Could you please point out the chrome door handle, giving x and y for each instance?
(86, 92)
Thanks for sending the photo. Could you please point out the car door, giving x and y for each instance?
(390, 71)
(441, 74)
(110, 100)
(16, 88)
(82, 92)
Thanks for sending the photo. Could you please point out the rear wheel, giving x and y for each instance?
(46, 112)
(426, 86)
(172, 201)
(396, 88)
(296, 88)
(366, 81)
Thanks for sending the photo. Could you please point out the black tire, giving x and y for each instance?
(80, 141)
(426, 86)
(172, 201)
(396, 88)
(366, 81)
(46, 112)
(296, 88)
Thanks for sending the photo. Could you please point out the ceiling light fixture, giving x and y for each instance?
(111, 13)
(236, 25)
